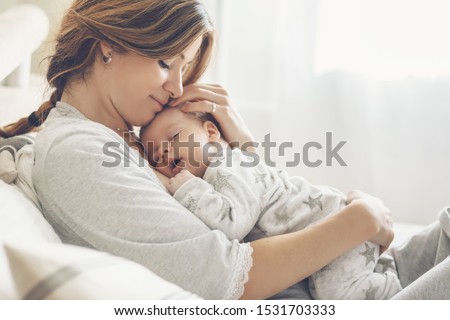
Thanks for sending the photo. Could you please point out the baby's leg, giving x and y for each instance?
(358, 274)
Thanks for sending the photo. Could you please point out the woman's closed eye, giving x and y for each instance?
(163, 65)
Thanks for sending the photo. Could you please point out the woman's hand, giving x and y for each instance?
(380, 212)
(212, 98)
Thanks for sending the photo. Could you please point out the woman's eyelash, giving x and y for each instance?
(163, 65)
(174, 136)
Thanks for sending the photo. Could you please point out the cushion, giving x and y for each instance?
(60, 271)
(20, 221)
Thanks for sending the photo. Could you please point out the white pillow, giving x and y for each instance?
(20, 221)
(59, 271)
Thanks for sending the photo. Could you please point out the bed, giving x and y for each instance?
(34, 263)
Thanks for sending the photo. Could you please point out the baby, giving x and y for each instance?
(232, 191)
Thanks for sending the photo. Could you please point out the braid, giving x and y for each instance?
(32, 122)
(44, 110)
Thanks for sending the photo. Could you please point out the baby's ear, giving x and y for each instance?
(212, 130)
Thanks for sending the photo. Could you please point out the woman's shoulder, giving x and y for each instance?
(65, 126)
(71, 139)
(68, 133)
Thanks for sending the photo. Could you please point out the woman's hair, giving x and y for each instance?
(159, 29)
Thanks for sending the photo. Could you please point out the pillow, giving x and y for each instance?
(60, 271)
(20, 221)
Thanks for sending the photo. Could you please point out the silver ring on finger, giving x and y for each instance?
(213, 107)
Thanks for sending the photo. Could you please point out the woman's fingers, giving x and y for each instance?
(353, 195)
(380, 212)
(201, 106)
(196, 92)
(202, 98)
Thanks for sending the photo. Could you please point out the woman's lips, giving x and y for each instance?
(159, 104)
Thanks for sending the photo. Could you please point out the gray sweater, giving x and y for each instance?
(98, 193)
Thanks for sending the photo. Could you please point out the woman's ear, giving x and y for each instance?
(106, 49)
(212, 130)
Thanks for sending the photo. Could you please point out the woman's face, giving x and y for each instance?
(138, 87)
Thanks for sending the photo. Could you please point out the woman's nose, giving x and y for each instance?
(174, 85)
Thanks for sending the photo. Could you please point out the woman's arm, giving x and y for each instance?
(200, 98)
(281, 261)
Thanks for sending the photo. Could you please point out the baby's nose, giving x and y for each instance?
(163, 149)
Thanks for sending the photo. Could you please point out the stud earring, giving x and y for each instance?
(107, 60)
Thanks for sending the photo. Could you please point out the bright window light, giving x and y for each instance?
(384, 39)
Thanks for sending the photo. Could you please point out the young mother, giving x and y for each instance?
(117, 62)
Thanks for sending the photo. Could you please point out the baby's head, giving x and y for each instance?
(176, 140)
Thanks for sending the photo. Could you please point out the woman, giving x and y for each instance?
(117, 62)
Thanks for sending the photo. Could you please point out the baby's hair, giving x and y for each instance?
(202, 116)
(206, 116)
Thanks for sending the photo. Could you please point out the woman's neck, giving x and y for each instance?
(88, 97)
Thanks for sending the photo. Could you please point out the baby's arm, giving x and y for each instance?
(234, 209)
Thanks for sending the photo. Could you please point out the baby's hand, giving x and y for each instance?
(180, 178)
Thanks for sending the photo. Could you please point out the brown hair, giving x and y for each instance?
(159, 29)
(206, 116)
(201, 116)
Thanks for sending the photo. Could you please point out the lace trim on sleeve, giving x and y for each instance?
(240, 276)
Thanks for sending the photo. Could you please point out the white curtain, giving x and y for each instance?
(374, 73)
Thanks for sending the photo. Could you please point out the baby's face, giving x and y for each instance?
(174, 141)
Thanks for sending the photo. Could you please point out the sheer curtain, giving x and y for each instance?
(374, 73)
